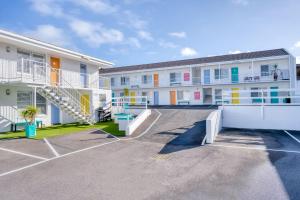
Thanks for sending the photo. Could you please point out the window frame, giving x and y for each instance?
(24, 103)
(176, 78)
(264, 73)
(39, 104)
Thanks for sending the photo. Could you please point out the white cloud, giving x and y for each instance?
(50, 34)
(297, 45)
(187, 52)
(234, 52)
(95, 34)
(47, 7)
(132, 20)
(134, 42)
(97, 6)
(166, 44)
(178, 34)
(240, 2)
(298, 59)
(145, 35)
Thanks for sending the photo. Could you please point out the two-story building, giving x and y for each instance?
(203, 80)
(64, 85)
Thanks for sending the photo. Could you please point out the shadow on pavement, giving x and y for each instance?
(191, 138)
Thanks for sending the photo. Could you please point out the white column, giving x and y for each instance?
(34, 97)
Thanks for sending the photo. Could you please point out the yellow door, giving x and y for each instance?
(85, 103)
(132, 97)
(235, 96)
(54, 74)
(173, 97)
(126, 92)
(155, 78)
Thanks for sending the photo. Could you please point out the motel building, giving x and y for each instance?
(64, 85)
(204, 81)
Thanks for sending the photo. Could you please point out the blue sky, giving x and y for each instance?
(142, 31)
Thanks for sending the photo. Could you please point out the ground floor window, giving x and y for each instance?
(179, 95)
(218, 96)
(24, 99)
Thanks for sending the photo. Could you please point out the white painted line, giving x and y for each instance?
(255, 148)
(81, 150)
(109, 134)
(51, 147)
(54, 158)
(203, 141)
(292, 136)
(151, 125)
(24, 154)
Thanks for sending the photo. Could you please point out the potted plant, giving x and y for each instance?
(29, 114)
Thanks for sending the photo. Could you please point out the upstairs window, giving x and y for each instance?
(112, 82)
(125, 80)
(146, 79)
(264, 70)
(175, 77)
(24, 99)
(221, 74)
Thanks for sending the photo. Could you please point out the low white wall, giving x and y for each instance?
(278, 117)
(138, 121)
(213, 125)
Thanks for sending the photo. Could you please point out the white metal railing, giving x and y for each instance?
(31, 71)
(249, 78)
(127, 101)
(260, 97)
(10, 113)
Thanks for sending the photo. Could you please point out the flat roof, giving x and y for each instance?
(202, 60)
(9, 36)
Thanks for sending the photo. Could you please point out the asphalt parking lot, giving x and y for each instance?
(163, 160)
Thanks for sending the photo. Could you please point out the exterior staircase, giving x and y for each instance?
(8, 115)
(67, 102)
(105, 112)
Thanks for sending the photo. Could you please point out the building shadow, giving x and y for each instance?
(190, 138)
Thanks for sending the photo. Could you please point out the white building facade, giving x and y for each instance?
(202, 81)
(64, 85)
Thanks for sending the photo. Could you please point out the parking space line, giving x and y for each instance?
(292, 136)
(255, 148)
(21, 153)
(51, 147)
(54, 158)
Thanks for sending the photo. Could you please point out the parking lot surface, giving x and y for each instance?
(166, 162)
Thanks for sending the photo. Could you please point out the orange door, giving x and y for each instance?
(155, 78)
(55, 66)
(173, 97)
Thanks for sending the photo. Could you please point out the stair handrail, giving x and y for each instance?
(10, 113)
(62, 86)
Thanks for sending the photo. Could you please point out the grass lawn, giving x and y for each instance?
(64, 129)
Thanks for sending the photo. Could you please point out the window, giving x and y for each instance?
(146, 79)
(298, 72)
(24, 99)
(112, 81)
(144, 94)
(221, 73)
(41, 104)
(121, 94)
(218, 95)
(125, 80)
(264, 70)
(175, 77)
(180, 95)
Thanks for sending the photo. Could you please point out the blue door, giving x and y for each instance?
(206, 76)
(83, 75)
(55, 119)
(156, 97)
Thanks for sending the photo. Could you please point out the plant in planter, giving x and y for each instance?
(29, 114)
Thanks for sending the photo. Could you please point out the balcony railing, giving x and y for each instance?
(249, 78)
(35, 72)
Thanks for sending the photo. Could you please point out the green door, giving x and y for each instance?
(234, 74)
(274, 95)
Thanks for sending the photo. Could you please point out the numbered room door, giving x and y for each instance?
(234, 74)
(156, 81)
(235, 96)
(54, 74)
(85, 103)
(132, 97)
(173, 97)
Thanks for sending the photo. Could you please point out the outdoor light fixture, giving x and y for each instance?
(7, 91)
(7, 49)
